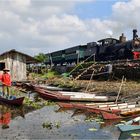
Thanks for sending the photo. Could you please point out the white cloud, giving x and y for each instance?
(126, 15)
(34, 26)
(62, 24)
(20, 3)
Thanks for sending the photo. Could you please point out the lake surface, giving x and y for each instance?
(50, 122)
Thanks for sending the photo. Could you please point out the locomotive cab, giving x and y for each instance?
(106, 47)
(108, 41)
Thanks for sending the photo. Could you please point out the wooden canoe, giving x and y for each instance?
(52, 95)
(16, 102)
(107, 105)
(110, 116)
(104, 111)
(130, 112)
(52, 88)
(58, 96)
(55, 88)
(108, 110)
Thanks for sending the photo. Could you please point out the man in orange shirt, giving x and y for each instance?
(6, 81)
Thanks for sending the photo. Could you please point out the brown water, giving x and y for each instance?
(62, 125)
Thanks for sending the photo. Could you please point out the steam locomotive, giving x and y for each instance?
(113, 49)
(107, 49)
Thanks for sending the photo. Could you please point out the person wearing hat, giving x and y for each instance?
(6, 81)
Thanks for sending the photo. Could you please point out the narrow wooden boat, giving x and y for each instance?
(52, 95)
(100, 105)
(130, 112)
(55, 88)
(16, 102)
(130, 125)
(106, 105)
(110, 116)
(108, 110)
(58, 96)
(52, 88)
(65, 105)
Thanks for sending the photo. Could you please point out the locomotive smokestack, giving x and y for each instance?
(134, 34)
(122, 38)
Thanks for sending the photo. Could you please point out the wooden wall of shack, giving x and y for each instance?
(16, 62)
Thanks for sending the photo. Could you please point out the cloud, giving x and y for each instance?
(127, 13)
(20, 3)
(34, 26)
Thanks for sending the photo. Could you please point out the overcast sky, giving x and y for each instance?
(35, 26)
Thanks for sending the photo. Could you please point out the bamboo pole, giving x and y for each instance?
(89, 81)
(84, 72)
(120, 89)
(80, 64)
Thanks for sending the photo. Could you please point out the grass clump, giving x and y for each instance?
(48, 103)
(32, 103)
(51, 74)
(50, 125)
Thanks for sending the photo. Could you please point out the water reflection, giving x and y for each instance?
(90, 116)
(128, 135)
(109, 123)
(74, 124)
(7, 113)
(104, 125)
(75, 111)
(5, 116)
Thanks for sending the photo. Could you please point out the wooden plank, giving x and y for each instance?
(131, 106)
(107, 103)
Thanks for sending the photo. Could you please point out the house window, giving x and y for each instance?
(2, 65)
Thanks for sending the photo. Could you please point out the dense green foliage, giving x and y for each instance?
(41, 57)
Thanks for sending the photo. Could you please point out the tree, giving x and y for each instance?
(41, 57)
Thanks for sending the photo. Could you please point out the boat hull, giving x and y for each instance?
(16, 102)
(125, 128)
(49, 95)
(61, 96)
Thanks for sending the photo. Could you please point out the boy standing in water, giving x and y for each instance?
(6, 82)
